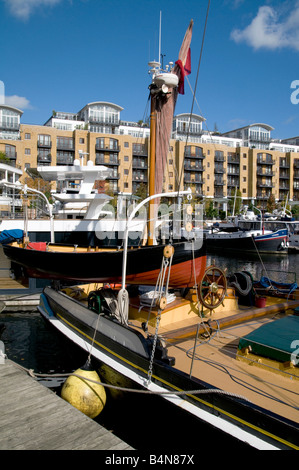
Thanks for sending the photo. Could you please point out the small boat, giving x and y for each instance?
(247, 240)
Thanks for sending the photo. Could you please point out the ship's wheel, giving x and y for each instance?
(212, 288)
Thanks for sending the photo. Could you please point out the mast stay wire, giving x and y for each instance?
(196, 81)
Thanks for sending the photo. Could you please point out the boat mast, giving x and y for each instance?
(151, 212)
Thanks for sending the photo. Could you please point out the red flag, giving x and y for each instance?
(185, 70)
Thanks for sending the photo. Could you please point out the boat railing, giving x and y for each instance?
(171, 194)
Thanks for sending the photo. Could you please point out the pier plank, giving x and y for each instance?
(35, 418)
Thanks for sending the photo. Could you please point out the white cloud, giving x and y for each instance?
(271, 29)
(22, 9)
(18, 102)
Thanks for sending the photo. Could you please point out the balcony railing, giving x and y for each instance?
(107, 148)
(265, 161)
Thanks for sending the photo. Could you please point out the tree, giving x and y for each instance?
(4, 158)
(271, 204)
(210, 211)
(141, 191)
(40, 185)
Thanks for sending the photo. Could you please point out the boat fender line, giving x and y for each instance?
(242, 282)
(123, 306)
(207, 391)
(282, 245)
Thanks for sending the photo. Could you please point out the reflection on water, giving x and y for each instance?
(33, 344)
(283, 268)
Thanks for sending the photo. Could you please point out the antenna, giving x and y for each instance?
(160, 36)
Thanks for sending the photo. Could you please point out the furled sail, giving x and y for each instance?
(165, 105)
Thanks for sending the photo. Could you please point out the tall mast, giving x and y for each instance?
(151, 212)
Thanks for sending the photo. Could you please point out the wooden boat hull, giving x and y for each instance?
(143, 264)
(126, 351)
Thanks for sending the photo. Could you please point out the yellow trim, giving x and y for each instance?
(252, 426)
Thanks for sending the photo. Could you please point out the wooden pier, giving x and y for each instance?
(35, 418)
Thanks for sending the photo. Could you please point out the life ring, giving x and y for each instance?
(212, 288)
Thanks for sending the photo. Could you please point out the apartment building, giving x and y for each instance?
(212, 164)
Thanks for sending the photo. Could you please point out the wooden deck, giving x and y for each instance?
(35, 418)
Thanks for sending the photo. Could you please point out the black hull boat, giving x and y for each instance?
(72, 263)
(244, 403)
(242, 241)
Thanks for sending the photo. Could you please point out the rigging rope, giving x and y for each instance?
(196, 81)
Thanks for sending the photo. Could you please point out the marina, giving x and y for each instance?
(169, 333)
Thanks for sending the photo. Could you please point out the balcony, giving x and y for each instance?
(44, 144)
(233, 159)
(196, 167)
(139, 178)
(284, 186)
(140, 150)
(99, 160)
(219, 169)
(107, 148)
(220, 158)
(265, 161)
(139, 165)
(265, 184)
(44, 158)
(7, 126)
(64, 159)
(263, 195)
(69, 147)
(194, 153)
(103, 121)
(194, 179)
(233, 182)
(261, 172)
(219, 182)
(233, 171)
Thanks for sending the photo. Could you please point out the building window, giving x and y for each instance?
(44, 140)
(126, 144)
(81, 140)
(65, 143)
(126, 172)
(27, 151)
(27, 136)
(126, 158)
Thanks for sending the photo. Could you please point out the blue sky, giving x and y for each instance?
(62, 54)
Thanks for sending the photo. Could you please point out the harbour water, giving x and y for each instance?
(140, 420)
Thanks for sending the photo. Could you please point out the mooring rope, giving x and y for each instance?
(134, 390)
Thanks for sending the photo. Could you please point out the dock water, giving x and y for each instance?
(35, 418)
(15, 297)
